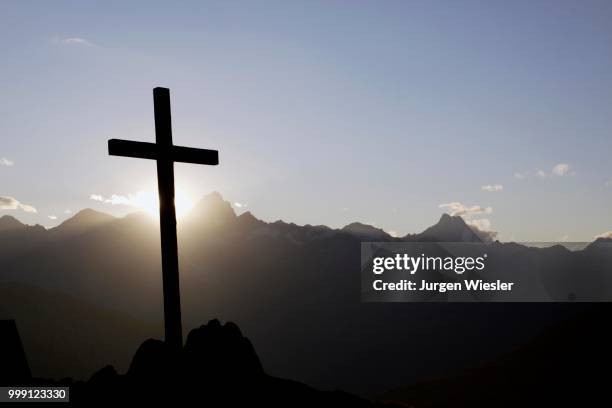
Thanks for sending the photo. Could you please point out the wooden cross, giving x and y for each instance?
(165, 153)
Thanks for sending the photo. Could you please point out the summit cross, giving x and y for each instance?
(166, 154)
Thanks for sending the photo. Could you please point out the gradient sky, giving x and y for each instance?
(324, 112)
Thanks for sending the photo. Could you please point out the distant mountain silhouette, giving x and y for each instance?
(289, 286)
(212, 211)
(82, 221)
(449, 229)
(366, 231)
(600, 243)
(8, 223)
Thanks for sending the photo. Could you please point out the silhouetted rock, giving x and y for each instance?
(218, 366)
(101, 379)
(154, 362)
(221, 350)
(14, 368)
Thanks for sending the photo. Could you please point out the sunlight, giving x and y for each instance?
(149, 202)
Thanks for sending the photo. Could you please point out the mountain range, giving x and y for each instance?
(295, 290)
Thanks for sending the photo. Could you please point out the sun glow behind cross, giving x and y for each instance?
(149, 202)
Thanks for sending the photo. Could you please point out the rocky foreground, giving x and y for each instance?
(218, 366)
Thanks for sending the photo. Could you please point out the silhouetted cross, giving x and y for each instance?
(166, 154)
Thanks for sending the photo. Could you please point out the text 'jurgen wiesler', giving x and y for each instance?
(413, 264)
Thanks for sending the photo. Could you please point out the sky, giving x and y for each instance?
(323, 112)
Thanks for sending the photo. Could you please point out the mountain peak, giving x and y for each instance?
(86, 218)
(447, 219)
(365, 230)
(8, 222)
(249, 220)
(212, 208)
(600, 243)
(450, 228)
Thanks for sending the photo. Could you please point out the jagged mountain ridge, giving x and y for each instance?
(214, 211)
(289, 286)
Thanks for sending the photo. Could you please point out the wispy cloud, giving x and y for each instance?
(457, 208)
(52, 217)
(483, 224)
(492, 188)
(68, 211)
(558, 170)
(521, 175)
(482, 228)
(561, 169)
(10, 203)
(73, 41)
(139, 199)
(6, 162)
(240, 205)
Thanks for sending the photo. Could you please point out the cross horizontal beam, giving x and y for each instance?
(153, 151)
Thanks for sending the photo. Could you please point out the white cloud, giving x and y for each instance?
(6, 162)
(73, 41)
(147, 201)
(68, 211)
(116, 199)
(140, 199)
(607, 235)
(558, 170)
(9, 203)
(520, 176)
(492, 188)
(483, 224)
(240, 205)
(52, 217)
(456, 208)
(561, 169)
(482, 228)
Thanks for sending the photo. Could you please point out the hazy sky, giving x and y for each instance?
(323, 112)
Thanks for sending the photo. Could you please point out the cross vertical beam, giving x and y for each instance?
(167, 218)
(165, 153)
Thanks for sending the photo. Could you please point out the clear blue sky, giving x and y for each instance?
(324, 112)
